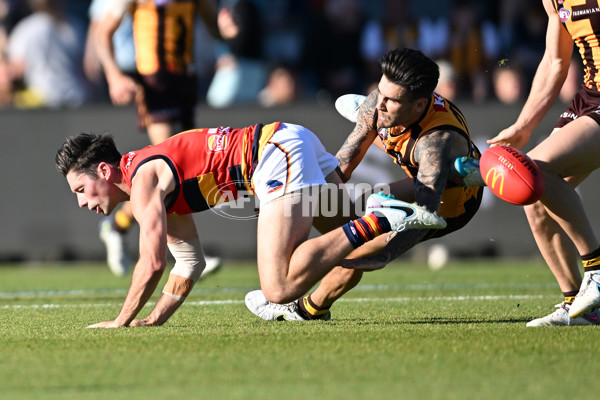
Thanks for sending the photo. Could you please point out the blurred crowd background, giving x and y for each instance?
(296, 54)
(288, 50)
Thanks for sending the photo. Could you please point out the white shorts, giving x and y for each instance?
(292, 159)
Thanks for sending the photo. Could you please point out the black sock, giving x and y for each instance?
(309, 310)
(591, 262)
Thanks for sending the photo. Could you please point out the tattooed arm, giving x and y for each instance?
(357, 143)
(433, 155)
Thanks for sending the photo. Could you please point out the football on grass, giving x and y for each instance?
(511, 175)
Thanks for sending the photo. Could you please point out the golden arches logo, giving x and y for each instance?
(495, 177)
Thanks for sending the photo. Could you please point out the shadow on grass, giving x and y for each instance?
(443, 321)
(434, 320)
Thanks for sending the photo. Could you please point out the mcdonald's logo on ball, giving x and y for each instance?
(511, 175)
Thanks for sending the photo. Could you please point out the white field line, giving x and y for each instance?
(399, 287)
(345, 300)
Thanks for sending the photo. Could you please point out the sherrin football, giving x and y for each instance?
(511, 175)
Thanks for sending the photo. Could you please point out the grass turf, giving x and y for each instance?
(404, 333)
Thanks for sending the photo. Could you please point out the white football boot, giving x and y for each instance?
(348, 106)
(465, 171)
(213, 264)
(258, 304)
(588, 296)
(560, 317)
(402, 215)
(117, 255)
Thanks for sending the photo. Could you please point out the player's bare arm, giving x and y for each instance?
(357, 143)
(147, 203)
(179, 228)
(433, 154)
(547, 82)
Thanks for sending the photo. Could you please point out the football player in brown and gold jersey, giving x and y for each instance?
(558, 220)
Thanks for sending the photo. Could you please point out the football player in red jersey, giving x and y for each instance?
(199, 168)
(558, 221)
(163, 84)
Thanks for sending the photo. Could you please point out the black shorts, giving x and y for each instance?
(166, 97)
(585, 103)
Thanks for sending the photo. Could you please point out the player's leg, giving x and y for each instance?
(294, 160)
(338, 281)
(112, 233)
(286, 268)
(569, 151)
(341, 280)
(572, 151)
(556, 248)
(560, 255)
(159, 132)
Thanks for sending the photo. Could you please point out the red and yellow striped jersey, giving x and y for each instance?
(209, 166)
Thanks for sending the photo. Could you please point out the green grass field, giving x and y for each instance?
(405, 332)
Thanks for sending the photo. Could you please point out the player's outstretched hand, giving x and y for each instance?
(105, 324)
(510, 136)
(142, 322)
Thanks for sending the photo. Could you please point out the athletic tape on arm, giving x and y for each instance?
(189, 264)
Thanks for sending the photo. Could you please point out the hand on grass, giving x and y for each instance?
(142, 322)
(106, 324)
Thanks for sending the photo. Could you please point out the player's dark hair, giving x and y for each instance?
(412, 70)
(83, 153)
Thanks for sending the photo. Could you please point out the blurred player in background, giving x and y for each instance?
(163, 85)
(422, 132)
(200, 168)
(558, 221)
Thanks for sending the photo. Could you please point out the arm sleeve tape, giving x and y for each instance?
(189, 258)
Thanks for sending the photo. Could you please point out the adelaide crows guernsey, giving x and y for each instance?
(210, 166)
(581, 18)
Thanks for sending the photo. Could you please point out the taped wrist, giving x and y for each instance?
(189, 264)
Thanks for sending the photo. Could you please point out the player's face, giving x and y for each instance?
(93, 193)
(394, 105)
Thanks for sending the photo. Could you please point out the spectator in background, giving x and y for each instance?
(528, 37)
(333, 51)
(5, 75)
(241, 72)
(467, 50)
(508, 85)
(45, 54)
(122, 42)
(447, 83)
(281, 88)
